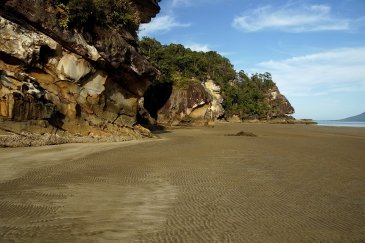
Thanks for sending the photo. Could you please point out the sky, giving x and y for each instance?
(315, 50)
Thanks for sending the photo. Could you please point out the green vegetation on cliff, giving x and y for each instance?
(181, 65)
(243, 96)
(87, 13)
(246, 96)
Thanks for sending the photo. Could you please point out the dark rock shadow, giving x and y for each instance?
(242, 134)
(156, 97)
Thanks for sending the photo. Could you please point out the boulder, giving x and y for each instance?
(198, 104)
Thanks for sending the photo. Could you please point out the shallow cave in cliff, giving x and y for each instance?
(8, 59)
(45, 53)
(156, 97)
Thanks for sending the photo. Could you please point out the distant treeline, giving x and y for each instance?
(243, 95)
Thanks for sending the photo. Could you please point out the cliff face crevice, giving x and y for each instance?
(94, 78)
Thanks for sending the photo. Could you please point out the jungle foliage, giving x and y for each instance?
(87, 13)
(243, 96)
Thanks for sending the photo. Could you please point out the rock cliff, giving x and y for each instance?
(83, 80)
(196, 104)
(279, 106)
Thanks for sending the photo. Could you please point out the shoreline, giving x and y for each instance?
(9, 139)
(336, 123)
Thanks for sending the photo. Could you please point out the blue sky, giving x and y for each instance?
(315, 50)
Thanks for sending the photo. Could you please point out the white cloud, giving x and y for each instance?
(160, 24)
(198, 47)
(338, 70)
(176, 3)
(291, 19)
(185, 3)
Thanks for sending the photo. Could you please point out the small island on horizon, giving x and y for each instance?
(357, 118)
(352, 121)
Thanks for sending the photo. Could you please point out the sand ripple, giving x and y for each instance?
(289, 184)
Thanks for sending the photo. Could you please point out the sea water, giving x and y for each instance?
(340, 123)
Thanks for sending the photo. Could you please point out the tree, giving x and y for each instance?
(84, 14)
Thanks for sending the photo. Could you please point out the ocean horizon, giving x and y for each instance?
(333, 123)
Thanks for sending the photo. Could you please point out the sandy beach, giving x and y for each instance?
(291, 183)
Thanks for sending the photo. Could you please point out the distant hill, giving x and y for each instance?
(358, 118)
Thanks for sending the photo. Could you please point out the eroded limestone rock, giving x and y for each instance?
(21, 44)
(278, 103)
(198, 105)
(90, 82)
(72, 67)
(22, 101)
(216, 108)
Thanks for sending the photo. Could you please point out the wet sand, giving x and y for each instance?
(291, 183)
